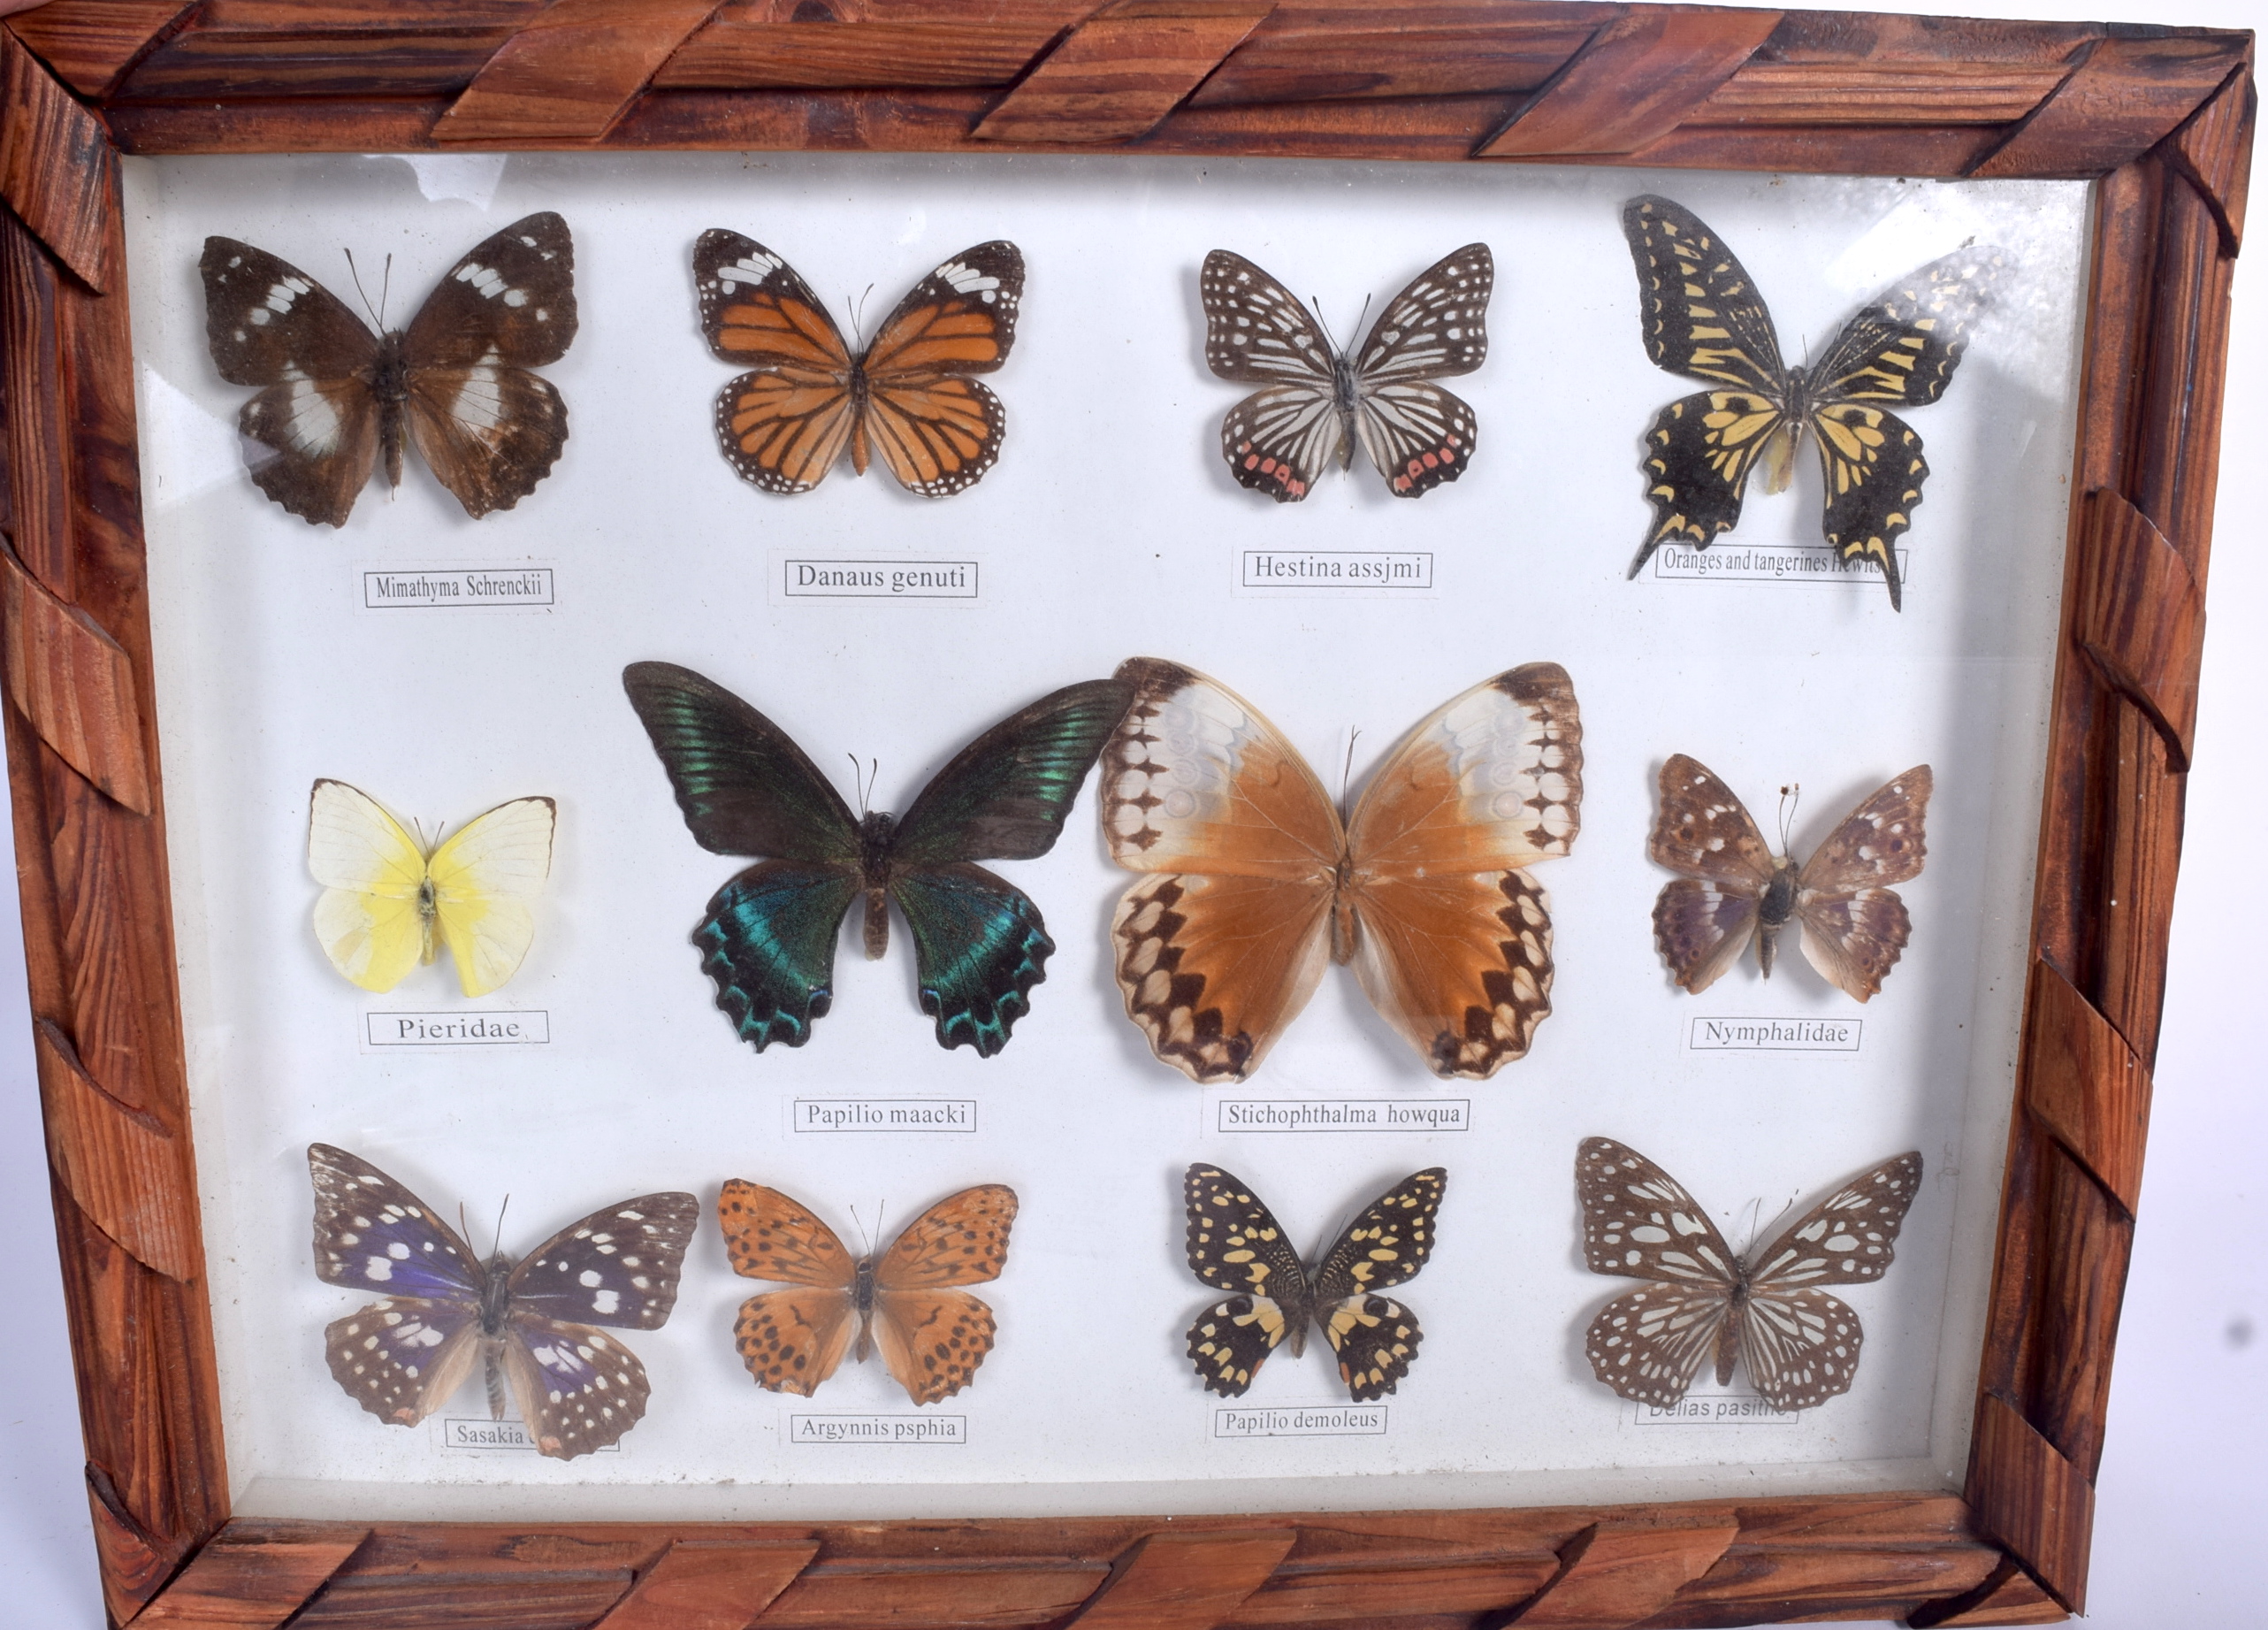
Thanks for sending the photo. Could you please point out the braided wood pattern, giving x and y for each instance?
(2165, 118)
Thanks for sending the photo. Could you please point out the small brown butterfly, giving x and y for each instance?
(334, 396)
(1735, 889)
(901, 1300)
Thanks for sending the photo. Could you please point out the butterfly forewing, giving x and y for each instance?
(1438, 326)
(791, 1340)
(743, 785)
(961, 1240)
(959, 320)
(1878, 842)
(1848, 1237)
(1705, 920)
(1235, 1244)
(1904, 347)
(618, 1267)
(933, 1338)
(509, 301)
(1388, 1242)
(1639, 1221)
(1699, 313)
(485, 880)
(373, 1234)
(1005, 796)
(1256, 330)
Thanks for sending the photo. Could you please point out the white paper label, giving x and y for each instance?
(505, 1027)
(479, 1433)
(1308, 571)
(475, 586)
(1333, 1420)
(1767, 562)
(1344, 1115)
(884, 1114)
(1723, 1409)
(923, 1428)
(1704, 1034)
(905, 577)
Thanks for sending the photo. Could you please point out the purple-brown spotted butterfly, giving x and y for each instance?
(903, 1300)
(1236, 1244)
(1800, 1344)
(1735, 889)
(1320, 403)
(334, 396)
(529, 1326)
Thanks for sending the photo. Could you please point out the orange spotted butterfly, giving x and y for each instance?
(932, 1336)
(908, 396)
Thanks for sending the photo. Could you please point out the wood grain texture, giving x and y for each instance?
(2214, 150)
(2126, 94)
(54, 171)
(710, 1584)
(245, 1583)
(1305, 53)
(2032, 1498)
(1122, 71)
(2009, 1596)
(728, 53)
(572, 71)
(91, 43)
(1639, 77)
(123, 1166)
(2083, 1084)
(1625, 1574)
(2141, 617)
(1184, 1582)
(74, 683)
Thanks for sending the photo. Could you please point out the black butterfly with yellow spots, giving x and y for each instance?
(1701, 317)
(1236, 1244)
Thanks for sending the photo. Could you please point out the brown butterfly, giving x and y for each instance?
(1764, 1310)
(334, 396)
(1735, 889)
(932, 1336)
(908, 396)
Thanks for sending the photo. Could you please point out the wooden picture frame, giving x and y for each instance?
(2161, 119)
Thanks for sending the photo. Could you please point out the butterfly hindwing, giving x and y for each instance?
(931, 1337)
(400, 1359)
(1648, 1345)
(767, 942)
(937, 429)
(978, 947)
(367, 918)
(1703, 920)
(1234, 1243)
(1376, 1337)
(789, 1339)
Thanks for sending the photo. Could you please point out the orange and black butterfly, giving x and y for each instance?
(908, 396)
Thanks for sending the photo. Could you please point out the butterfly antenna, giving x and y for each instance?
(1324, 322)
(356, 272)
(858, 318)
(496, 1240)
(1346, 771)
(1791, 796)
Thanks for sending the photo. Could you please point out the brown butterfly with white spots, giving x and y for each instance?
(334, 396)
(1236, 1244)
(902, 1300)
(529, 1326)
(1800, 1344)
(1735, 889)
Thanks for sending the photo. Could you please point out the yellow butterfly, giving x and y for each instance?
(386, 895)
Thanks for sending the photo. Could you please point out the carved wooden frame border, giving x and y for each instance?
(2161, 119)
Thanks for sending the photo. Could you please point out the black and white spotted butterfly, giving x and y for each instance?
(530, 1327)
(334, 396)
(1236, 1244)
(1320, 401)
(1800, 1344)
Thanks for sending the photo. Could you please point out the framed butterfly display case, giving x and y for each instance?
(1660, 541)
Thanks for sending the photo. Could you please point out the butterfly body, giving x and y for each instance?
(1234, 1243)
(336, 399)
(905, 1301)
(529, 1326)
(1251, 883)
(1701, 317)
(768, 940)
(1852, 926)
(909, 396)
(1320, 402)
(1703, 1304)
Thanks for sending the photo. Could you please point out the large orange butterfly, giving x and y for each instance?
(932, 1337)
(1253, 881)
(908, 396)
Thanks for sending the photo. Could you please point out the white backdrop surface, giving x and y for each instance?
(2188, 1347)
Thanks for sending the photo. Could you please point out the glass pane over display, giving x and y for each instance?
(1460, 605)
